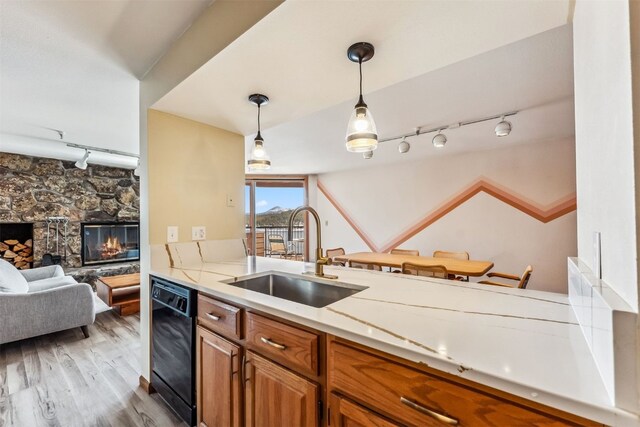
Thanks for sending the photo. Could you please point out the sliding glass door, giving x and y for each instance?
(269, 203)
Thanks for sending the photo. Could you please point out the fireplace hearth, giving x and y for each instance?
(104, 243)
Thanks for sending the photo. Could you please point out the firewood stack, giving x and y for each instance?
(20, 254)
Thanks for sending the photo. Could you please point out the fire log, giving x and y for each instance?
(10, 254)
(11, 242)
(29, 243)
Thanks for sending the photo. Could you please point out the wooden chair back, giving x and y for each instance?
(439, 271)
(405, 252)
(276, 244)
(335, 252)
(451, 255)
(364, 266)
(524, 280)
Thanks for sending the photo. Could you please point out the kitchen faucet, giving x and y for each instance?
(321, 260)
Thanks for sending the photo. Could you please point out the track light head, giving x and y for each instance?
(503, 128)
(440, 140)
(82, 163)
(367, 154)
(404, 146)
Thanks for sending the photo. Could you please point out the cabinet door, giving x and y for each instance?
(346, 413)
(219, 384)
(277, 397)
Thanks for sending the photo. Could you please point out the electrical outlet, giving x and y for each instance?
(172, 234)
(231, 202)
(199, 232)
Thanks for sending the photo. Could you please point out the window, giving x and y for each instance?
(269, 203)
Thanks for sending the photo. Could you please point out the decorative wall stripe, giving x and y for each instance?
(347, 217)
(543, 214)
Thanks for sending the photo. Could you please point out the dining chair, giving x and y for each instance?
(364, 266)
(453, 255)
(523, 280)
(439, 271)
(277, 246)
(405, 252)
(332, 253)
(396, 251)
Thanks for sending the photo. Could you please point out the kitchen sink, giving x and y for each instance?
(298, 289)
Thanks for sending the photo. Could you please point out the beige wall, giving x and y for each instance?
(395, 197)
(192, 169)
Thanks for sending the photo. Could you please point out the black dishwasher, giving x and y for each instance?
(173, 335)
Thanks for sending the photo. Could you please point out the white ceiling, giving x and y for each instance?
(75, 65)
(534, 76)
(297, 54)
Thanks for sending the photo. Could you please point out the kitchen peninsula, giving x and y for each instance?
(522, 348)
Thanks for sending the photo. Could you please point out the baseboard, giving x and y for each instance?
(146, 385)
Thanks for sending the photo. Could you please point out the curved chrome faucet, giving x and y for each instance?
(321, 260)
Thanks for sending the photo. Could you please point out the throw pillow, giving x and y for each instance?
(11, 280)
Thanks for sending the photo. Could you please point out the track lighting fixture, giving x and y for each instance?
(259, 159)
(404, 146)
(439, 140)
(362, 135)
(503, 128)
(367, 155)
(82, 163)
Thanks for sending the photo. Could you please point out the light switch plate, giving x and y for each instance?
(199, 232)
(231, 202)
(172, 234)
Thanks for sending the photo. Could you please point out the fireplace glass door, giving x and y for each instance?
(106, 243)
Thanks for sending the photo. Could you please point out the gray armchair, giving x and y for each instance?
(51, 302)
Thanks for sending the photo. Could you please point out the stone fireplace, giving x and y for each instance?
(108, 243)
(33, 189)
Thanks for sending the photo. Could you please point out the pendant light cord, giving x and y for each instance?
(258, 118)
(360, 65)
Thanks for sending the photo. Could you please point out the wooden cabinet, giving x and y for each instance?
(409, 395)
(291, 346)
(346, 413)
(220, 317)
(277, 397)
(263, 371)
(219, 381)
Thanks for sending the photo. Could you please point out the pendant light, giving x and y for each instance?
(259, 159)
(362, 135)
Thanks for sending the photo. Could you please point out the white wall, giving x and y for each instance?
(385, 201)
(605, 143)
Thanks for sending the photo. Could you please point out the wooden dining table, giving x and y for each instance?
(462, 267)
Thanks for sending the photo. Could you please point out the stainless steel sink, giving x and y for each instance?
(297, 289)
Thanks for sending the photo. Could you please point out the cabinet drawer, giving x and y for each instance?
(293, 347)
(416, 398)
(219, 316)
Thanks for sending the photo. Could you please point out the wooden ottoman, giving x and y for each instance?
(122, 293)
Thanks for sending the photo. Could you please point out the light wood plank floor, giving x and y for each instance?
(65, 380)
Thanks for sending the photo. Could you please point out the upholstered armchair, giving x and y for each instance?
(41, 301)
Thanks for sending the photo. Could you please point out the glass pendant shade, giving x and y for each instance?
(362, 134)
(259, 159)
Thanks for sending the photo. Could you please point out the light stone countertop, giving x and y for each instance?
(524, 342)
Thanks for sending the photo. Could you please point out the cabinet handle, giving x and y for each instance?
(242, 370)
(429, 412)
(213, 316)
(273, 344)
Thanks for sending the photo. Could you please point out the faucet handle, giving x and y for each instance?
(324, 261)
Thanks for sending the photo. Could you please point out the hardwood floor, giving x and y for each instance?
(65, 380)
